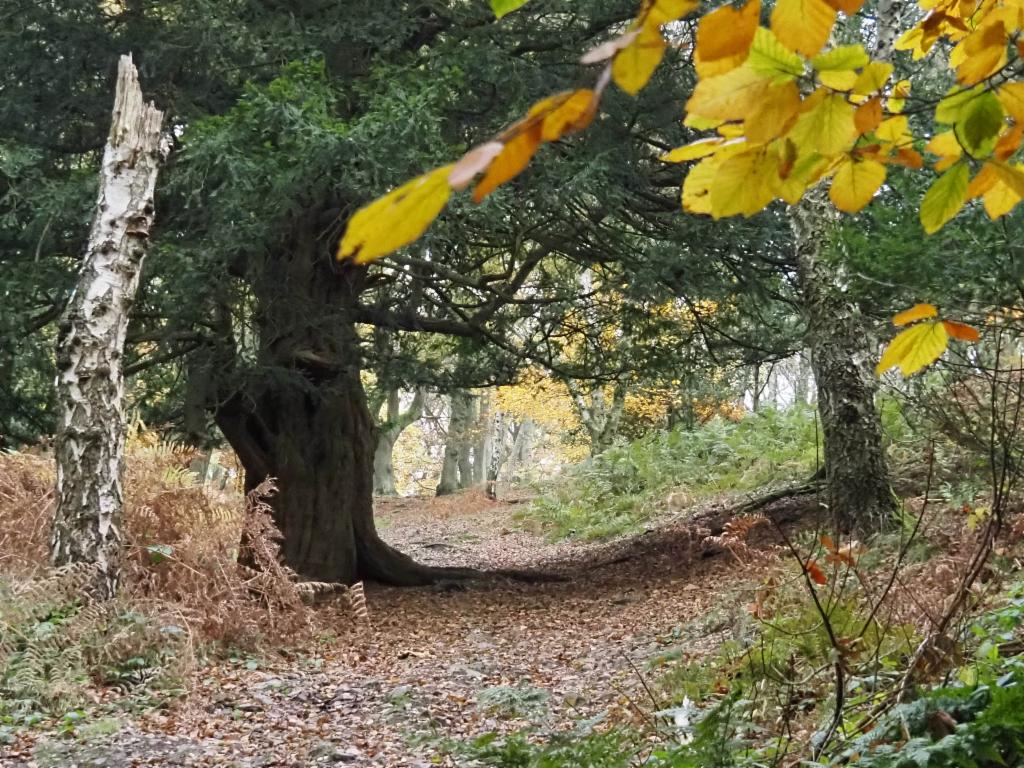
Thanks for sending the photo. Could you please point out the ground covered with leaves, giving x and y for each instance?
(434, 665)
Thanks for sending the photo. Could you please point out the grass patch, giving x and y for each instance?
(626, 486)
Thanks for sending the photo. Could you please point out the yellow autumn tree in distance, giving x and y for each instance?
(785, 110)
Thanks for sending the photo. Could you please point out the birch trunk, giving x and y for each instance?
(856, 473)
(90, 380)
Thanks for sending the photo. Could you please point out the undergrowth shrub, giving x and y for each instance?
(183, 592)
(628, 484)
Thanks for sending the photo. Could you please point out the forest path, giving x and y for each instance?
(452, 662)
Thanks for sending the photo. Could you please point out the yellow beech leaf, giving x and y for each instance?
(868, 115)
(895, 130)
(915, 313)
(984, 52)
(774, 115)
(731, 96)
(913, 349)
(511, 161)
(1011, 175)
(572, 113)
(697, 149)
(827, 128)
(663, 11)
(397, 218)
(961, 331)
(944, 198)
(1009, 141)
(898, 99)
(838, 79)
(946, 147)
(983, 181)
(999, 200)
(855, 183)
(471, 163)
(872, 78)
(907, 157)
(803, 25)
(633, 66)
(745, 183)
(843, 57)
(697, 185)
(727, 32)
(771, 58)
(1011, 96)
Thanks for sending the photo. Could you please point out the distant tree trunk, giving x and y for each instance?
(456, 445)
(395, 423)
(802, 379)
(599, 418)
(497, 457)
(755, 388)
(90, 380)
(484, 440)
(857, 477)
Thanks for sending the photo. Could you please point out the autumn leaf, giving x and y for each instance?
(397, 218)
(744, 184)
(944, 198)
(503, 7)
(633, 66)
(815, 572)
(731, 96)
(855, 183)
(961, 331)
(828, 127)
(472, 163)
(915, 313)
(727, 32)
(769, 57)
(843, 57)
(511, 161)
(572, 113)
(774, 115)
(803, 25)
(914, 348)
(694, 151)
(868, 115)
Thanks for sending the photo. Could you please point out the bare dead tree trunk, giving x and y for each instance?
(90, 380)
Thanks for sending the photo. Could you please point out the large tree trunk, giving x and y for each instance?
(301, 417)
(857, 477)
(90, 380)
(396, 421)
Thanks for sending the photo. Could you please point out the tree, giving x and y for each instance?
(789, 116)
(90, 383)
(389, 430)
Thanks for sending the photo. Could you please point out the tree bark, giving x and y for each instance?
(455, 471)
(396, 422)
(90, 379)
(857, 477)
(484, 440)
(600, 419)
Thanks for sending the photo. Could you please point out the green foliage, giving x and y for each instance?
(626, 485)
(55, 644)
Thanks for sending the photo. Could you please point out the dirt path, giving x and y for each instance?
(445, 662)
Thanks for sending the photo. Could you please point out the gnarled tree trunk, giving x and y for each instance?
(301, 416)
(857, 476)
(90, 379)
